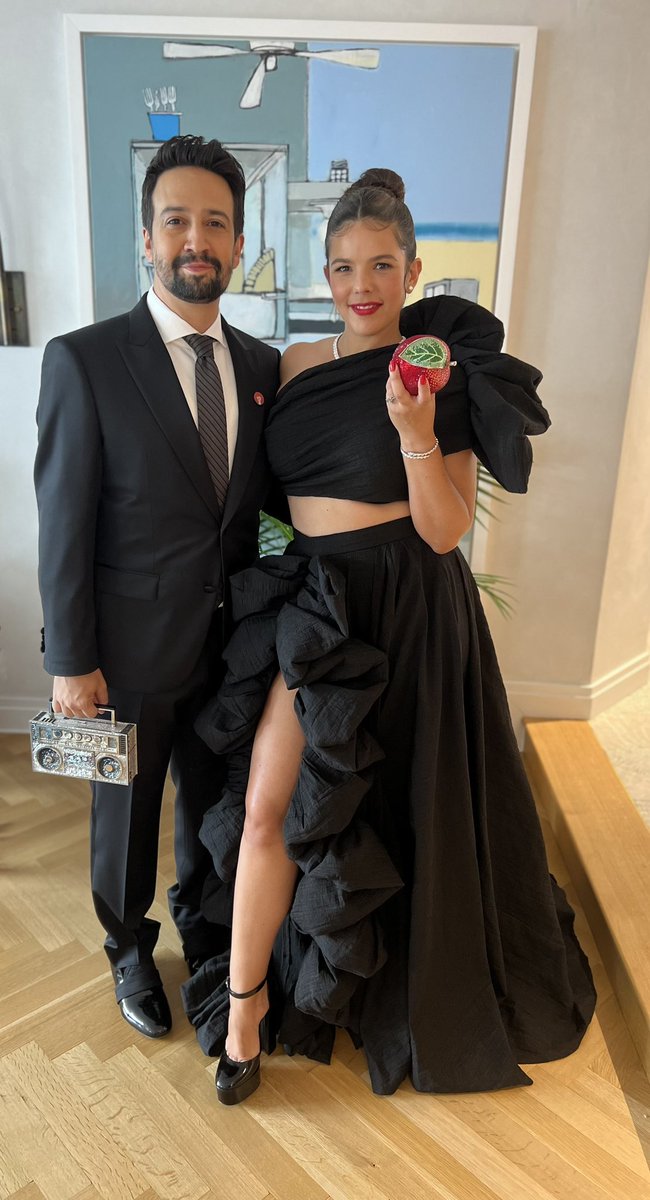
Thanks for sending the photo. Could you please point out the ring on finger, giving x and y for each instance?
(390, 397)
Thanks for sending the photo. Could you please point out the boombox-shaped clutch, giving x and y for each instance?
(104, 751)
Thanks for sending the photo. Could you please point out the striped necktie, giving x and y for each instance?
(211, 410)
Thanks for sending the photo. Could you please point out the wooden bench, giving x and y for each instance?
(606, 845)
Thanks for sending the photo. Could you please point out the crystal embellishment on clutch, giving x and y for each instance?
(423, 355)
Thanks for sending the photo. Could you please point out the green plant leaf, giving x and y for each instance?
(498, 588)
(487, 494)
(273, 536)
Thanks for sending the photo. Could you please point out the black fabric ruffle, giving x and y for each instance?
(291, 615)
(206, 1003)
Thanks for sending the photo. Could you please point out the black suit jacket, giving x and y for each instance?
(132, 552)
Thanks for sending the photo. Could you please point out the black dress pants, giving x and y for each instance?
(125, 824)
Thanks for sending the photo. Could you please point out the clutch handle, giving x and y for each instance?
(101, 708)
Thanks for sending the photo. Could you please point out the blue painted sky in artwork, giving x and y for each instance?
(438, 115)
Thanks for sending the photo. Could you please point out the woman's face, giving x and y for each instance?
(369, 277)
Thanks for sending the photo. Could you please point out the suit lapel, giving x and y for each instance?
(250, 423)
(153, 372)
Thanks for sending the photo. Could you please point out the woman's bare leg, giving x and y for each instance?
(265, 875)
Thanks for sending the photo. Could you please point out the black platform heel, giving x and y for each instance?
(237, 1080)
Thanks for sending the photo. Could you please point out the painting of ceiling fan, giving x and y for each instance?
(269, 52)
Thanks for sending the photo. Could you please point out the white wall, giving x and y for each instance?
(22, 681)
(582, 255)
(624, 620)
(581, 264)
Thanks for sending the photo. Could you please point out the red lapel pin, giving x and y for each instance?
(258, 397)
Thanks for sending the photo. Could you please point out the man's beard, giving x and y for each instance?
(195, 289)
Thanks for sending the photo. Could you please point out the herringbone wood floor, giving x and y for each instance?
(89, 1109)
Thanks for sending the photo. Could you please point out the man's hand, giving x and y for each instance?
(79, 695)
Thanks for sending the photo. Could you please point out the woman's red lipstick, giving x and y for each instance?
(364, 310)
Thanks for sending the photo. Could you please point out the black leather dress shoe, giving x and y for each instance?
(148, 1012)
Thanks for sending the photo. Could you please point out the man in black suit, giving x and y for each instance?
(150, 474)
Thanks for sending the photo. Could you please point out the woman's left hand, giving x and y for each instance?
(412, 416)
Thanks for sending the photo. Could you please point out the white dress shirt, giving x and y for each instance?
(173, 329)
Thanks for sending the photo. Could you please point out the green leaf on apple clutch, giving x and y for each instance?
(425, 352)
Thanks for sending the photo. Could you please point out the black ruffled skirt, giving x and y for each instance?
(425, 921)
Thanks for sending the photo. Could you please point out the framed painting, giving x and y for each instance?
(305, 106)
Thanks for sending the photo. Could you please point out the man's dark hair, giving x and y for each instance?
(187, 150)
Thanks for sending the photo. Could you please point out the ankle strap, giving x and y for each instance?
(244, 995)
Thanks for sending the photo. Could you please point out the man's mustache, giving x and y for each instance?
(183, 259)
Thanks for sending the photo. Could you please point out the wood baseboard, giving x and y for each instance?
(606, 845)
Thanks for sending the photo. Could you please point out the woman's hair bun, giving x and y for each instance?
(381, 177)
(377, 196)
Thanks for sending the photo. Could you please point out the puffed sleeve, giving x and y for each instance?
(497, 391)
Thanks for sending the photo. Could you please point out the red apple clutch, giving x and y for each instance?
(423, 355)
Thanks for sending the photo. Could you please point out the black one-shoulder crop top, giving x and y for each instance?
(329, 434)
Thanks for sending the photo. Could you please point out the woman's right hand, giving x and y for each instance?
(412, 416)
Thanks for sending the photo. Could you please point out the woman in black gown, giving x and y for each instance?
(377, 829)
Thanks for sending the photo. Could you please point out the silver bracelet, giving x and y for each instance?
(418, 453)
